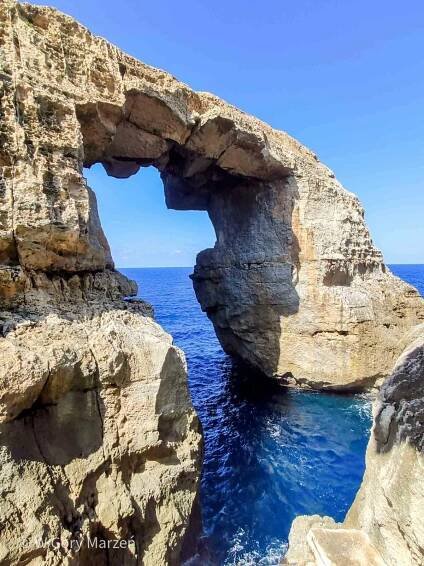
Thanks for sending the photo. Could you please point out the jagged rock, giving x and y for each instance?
(99, 440)
(389, 504)
(299, 551)
(387, 510)
(294, 284)
(98, 434)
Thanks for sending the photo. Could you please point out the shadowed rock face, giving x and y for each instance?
(384, 526)
(293, 285)
(98, 434)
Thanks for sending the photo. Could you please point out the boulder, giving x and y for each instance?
(100, 446)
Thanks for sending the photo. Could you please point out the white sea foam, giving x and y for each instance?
(238, 556)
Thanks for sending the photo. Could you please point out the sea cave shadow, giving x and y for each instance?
(250, 385)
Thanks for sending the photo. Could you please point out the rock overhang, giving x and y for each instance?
(195, 159)
(294, 263)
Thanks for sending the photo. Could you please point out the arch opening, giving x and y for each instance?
(140, 230)
(246, 281)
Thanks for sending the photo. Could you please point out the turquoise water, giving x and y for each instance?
(270, 454)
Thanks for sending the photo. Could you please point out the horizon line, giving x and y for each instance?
(192, 266)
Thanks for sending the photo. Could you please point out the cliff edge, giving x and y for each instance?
(384, 525)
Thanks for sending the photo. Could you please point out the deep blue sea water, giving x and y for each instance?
(270, 454)
(413, 274)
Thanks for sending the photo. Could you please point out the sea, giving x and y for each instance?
(270, 453)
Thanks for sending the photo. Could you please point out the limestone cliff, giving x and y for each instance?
(384, 525)
(294, 284)
(99, 443)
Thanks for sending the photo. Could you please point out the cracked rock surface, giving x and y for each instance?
(294, 285)
(98, 438)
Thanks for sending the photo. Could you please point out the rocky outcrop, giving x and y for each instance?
(100, 445)
(384, 524)
(388, 506)
(294, 284)
(99, 440)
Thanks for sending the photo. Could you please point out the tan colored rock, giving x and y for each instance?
(294, 284)
(99, 436)
(388, 508)
(99, 440)
(389, 505)
(333, 547)
(299, 551)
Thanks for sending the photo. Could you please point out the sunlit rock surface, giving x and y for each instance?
(294, 284)
(99, 440)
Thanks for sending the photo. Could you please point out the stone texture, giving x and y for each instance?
(299, 551)
(343, 546)
(98, 434)
(294, 284)
(98, 438)
(389, 504)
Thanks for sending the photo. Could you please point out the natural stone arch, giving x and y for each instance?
(293, 285)
(214, 165)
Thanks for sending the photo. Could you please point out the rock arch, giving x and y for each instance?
(97, 430)
(294, 284)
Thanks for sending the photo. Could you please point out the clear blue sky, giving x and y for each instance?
(345, 78)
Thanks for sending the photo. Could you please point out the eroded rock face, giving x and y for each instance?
(98, 433)
(294, 284)
(99, 440)
(389, 504)
(386, 516)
